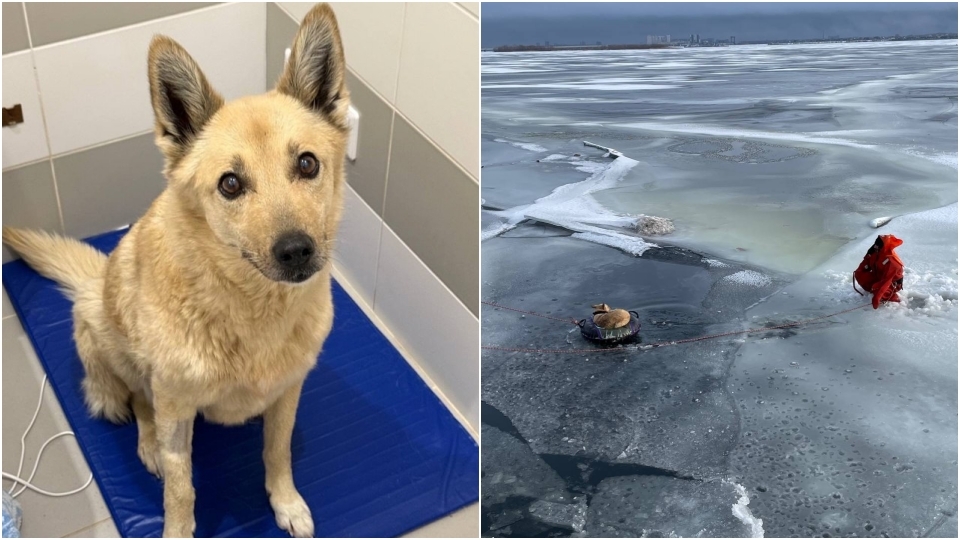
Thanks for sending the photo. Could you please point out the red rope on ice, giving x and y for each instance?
(658, 344)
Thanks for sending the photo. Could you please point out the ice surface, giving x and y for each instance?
(771, 174)
(850, 427)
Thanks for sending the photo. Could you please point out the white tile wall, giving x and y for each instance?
(27, 141)
(440, 78)
(358, 245)
(408, 294)
(95, 88)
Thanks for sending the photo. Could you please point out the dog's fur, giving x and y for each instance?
(607, 318)
(194, 312)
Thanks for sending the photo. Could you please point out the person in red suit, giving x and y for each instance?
(881, 271)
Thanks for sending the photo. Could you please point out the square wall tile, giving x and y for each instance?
(371, 33)
(439, 84)
(281, 29)
(358, 245)
(14, 28)
(30, 200)
(109, 186)
(368, 173)
(434, 207)
(24, 142)
(431, 324)
(58, 21)
(95, 89)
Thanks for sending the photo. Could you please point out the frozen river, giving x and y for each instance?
(770, 162)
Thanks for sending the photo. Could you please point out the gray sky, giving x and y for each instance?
(527, 23)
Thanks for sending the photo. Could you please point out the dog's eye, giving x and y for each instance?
(230, 186)
(308, 166)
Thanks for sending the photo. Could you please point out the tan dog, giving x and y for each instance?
(218, 300)
(607, 318)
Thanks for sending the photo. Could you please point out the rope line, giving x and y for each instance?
(658, 344)
(571, 321)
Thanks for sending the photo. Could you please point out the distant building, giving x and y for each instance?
(658, 40)
(733, 40)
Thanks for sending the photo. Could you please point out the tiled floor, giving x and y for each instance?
(63, 468)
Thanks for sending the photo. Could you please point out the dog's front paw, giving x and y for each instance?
(149, 452)
(293, 516)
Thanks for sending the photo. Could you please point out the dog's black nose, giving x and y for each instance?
(293, 250)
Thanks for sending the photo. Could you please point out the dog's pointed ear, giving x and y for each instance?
(315, 73)
(183, 101)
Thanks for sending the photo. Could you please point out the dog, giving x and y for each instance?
(607, 318)
(217, 301)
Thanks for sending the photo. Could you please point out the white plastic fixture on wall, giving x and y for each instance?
(353, 118)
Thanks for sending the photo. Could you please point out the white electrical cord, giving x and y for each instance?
(23, 448)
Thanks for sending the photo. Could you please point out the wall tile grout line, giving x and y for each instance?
(403, 31)
(383, 208)
(75, 534)
(386, 174)
(432, 273)
(104, 143)
(43, 117)
(467, 11)
(25, 164)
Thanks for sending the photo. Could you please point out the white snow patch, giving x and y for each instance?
(589, 167)
(526, 146)
(744, 134)
(950, 160)
(633, 246)
(572, 207)
(749, 277)
(741, 512)
(554, 157)
(586, 86)
(879, 222)
(713, 263)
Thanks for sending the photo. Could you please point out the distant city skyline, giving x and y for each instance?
(612, 23)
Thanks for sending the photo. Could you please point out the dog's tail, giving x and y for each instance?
(69, 262)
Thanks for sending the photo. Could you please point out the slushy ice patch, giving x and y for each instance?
(749, 277)
(526, 146)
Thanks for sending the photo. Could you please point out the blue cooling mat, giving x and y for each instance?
(375, 453)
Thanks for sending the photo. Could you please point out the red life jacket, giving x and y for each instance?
(881, 271)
